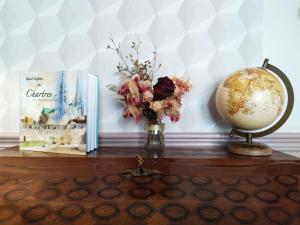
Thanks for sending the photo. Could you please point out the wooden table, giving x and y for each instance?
(196, 186)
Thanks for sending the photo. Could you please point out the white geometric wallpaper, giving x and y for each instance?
(204, 40)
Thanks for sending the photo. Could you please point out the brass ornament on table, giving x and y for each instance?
(251, 148)
(141, 171)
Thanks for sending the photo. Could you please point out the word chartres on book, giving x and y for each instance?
(59, 112)
(34, 92)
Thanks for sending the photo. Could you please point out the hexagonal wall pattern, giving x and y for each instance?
(204, 40)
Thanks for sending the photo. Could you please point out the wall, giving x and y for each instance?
(281, 35)
(204, 40)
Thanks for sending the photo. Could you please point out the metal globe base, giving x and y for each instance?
(249, 149)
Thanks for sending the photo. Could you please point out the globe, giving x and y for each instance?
(250, 99)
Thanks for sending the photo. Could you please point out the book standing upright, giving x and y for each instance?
(59, 112)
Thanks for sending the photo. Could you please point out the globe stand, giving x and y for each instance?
(250, 148)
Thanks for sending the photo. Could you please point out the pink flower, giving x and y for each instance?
(144, 86)
(124, 89)
(169, 104)
(129, 100)
(138, 102)
(142, 89)
(174, 118)
(136, 78)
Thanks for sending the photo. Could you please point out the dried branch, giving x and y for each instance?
(113, 87)
(116, 48)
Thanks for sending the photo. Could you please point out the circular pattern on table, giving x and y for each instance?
(16, 195)
(205, 194)
(140, 210)
(200, 180)
(230, 181)
(236, 195)
(109, 192)
(79, 193)
(258, 181)
(142, 180)
(71, 212)
(36, 213)
(48, 194)
(105, 211)
(267, 196)
(25, 181)
(174, 212)
(293, 195)
(172, 193)
(3, 180)
(278, 216)
(84, 180)
(56, 180)
(286, 180)
(113, 179)
(141, 192)
(171, 179)
(243, 214)
(210, 214)
(7, 212)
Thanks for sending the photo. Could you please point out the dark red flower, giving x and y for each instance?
(163, 88)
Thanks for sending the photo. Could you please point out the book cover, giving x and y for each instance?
(53, 112)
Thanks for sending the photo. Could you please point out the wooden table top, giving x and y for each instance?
(130, 152)
(196, 186)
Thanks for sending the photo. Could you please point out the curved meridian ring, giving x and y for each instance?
(289, 107)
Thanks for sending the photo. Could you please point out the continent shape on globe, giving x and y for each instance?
(250, 99)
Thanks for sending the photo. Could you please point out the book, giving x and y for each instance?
(59, 112)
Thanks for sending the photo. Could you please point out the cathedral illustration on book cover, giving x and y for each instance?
(54, 110)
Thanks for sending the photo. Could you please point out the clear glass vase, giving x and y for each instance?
(154, 136)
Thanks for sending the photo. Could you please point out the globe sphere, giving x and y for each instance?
(250, 99)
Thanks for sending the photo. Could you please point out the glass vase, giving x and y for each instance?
(154, 136)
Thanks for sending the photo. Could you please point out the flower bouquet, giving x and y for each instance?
(137, 92)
